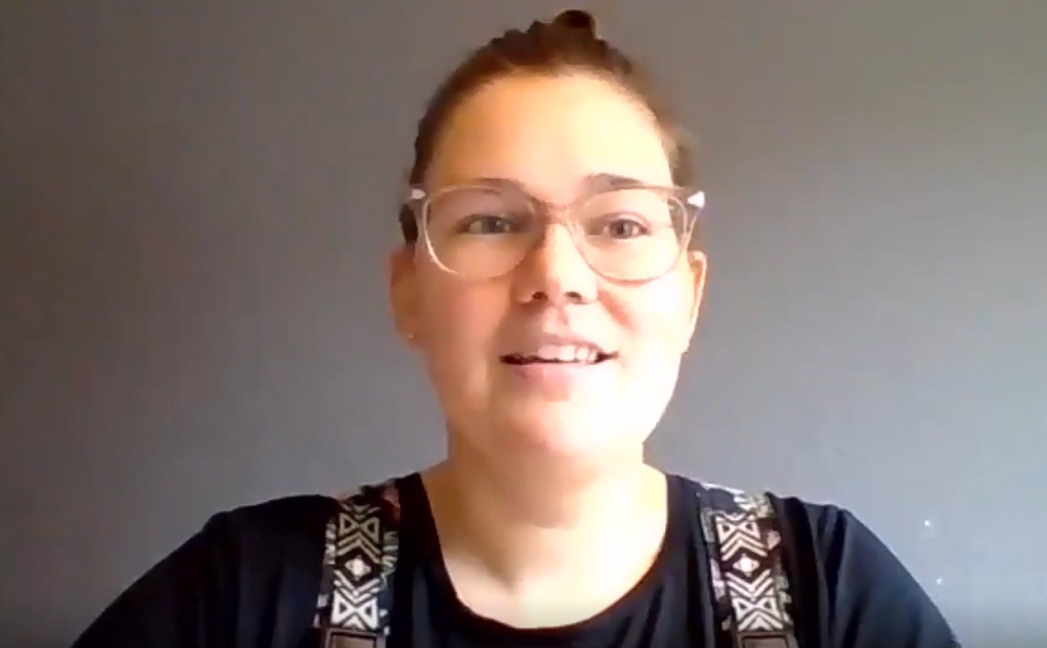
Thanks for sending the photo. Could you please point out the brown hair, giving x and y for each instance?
(569, 42)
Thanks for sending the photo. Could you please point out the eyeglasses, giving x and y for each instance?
(628, 233)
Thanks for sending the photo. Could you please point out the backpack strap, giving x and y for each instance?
(750, 587)
(360, 550)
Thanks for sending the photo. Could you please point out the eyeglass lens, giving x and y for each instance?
(629, 234)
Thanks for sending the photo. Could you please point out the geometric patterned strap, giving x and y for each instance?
(745, 556)
(360, 549)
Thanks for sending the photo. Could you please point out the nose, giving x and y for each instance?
(555, 271)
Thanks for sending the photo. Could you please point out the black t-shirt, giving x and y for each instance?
(250, 578)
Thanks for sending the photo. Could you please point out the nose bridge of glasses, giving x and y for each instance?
(563, 218)
(566, 216)
(557, 250)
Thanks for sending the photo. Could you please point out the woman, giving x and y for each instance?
(550, 280)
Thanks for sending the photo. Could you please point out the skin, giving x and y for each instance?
(530, 500)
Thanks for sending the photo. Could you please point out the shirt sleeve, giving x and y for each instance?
(248, 577)
(854, 592)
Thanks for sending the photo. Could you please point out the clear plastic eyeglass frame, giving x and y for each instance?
(693, 201)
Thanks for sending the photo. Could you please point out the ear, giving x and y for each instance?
(403, 293)
(698, 265)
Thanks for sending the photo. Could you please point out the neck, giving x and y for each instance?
(528, 527)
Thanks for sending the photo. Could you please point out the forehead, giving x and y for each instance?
(550, 134)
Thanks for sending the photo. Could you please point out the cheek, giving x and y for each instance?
(461, 322)
(656, 317)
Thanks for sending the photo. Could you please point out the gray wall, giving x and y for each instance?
(197, 201)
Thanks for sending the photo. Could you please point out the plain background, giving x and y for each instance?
(198, 199)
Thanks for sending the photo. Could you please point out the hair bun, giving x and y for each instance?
(576, 19)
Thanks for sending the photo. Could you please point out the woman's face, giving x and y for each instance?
(548, 135)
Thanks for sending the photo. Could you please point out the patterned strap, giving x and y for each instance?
(360, 550)
(749, 584)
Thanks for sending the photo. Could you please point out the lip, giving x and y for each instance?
(560, 381)
(556, 339)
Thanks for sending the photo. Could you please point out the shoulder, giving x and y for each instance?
(260, 533)
(254, 543)
(279, 520)
(258, 545)
(870, 597)
(828, 527)
(248, 568)
(847, 554)
(827, 533)
(830, 541)
(847, 586)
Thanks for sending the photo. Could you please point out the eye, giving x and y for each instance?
(480, 224)
(618, 226)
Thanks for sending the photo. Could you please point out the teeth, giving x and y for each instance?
(568, 353)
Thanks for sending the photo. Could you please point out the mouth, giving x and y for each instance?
(560, 355)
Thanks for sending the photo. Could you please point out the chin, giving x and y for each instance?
(568, 432)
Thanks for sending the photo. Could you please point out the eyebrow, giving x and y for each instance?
(591, 181)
